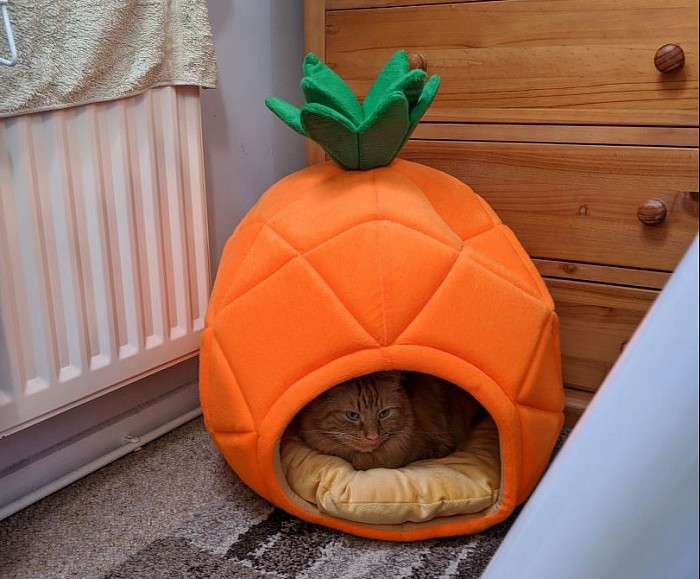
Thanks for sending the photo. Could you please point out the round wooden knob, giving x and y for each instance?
(652, 212)
(669, 58)
(417, 60)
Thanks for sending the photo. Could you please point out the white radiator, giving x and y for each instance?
(104, 261)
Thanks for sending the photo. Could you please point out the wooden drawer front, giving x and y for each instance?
(544, 61)
(579, 202)
(596, 320)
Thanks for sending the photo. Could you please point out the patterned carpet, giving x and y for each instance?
(281, 546)
(175, 510)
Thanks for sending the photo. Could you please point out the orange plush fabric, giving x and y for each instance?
(337, 273)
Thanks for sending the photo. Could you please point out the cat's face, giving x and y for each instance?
(359, 415)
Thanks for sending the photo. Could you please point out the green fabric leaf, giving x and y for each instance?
(426, 99)
(381, 136)
(354, 135)
(328, 96)
(316, 75)
(334, 132)
(288, 113)
(395, 68)
(410, 84)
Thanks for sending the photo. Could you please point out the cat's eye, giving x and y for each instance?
(352, 415)
(382, 414)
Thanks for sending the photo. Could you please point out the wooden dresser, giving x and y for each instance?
(577, 120)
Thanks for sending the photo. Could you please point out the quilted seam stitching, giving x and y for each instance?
(321, 244)
(528, 369)
(215, 342)
(430, 298)
(300, 255)
(382, 277)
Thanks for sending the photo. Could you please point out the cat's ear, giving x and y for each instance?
(328, 394)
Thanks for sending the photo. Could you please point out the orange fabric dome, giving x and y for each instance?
(337, 273)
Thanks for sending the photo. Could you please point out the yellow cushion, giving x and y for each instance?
(467, 481)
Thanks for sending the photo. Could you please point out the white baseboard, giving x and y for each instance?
(33, 480)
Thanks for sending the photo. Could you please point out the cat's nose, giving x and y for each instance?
(371, 436)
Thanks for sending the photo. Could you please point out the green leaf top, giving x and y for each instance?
(359, 136)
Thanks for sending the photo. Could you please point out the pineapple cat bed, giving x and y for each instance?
(372, 263)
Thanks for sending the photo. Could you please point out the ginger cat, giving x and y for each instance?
(388, 419)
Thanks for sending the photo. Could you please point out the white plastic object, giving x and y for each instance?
(621, 498)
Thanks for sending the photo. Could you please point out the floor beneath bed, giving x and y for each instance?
(175, 509)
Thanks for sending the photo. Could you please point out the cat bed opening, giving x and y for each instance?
(463, 480)
(338, 273)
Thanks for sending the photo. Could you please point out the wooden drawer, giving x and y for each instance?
(534, 61)
(579, 202)
(596, 321)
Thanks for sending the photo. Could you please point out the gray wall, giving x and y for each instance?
(259, 50)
